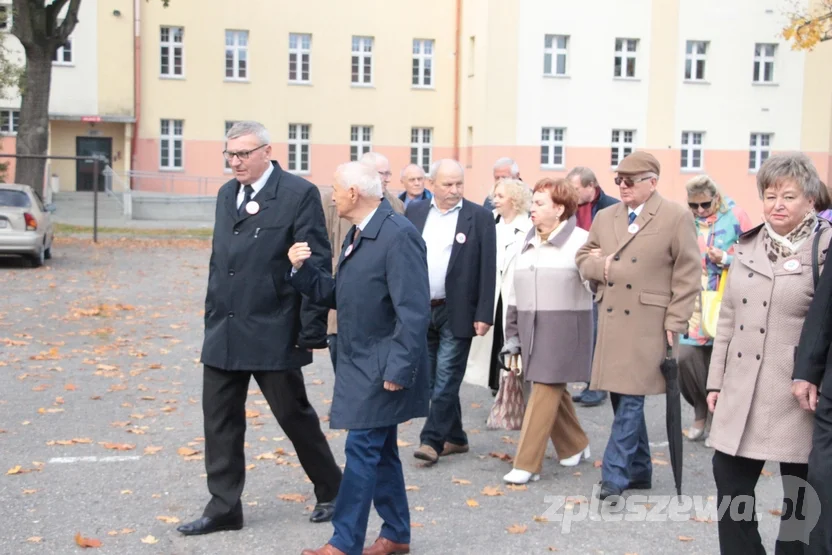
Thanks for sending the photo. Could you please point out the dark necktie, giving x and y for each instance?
(632, 217)
(249, 191)
(355, 234)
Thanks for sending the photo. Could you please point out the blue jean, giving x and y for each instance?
(448, 358)
(627, 456)
(373, 474)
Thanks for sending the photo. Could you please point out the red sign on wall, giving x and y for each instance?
(91, 119)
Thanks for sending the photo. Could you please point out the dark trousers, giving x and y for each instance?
(223, 406)
(448, 357)
(332, 343)
(737, 476)
(820, 477)
(627, 456)
(373, 474)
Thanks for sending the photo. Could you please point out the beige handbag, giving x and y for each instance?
(510, 404)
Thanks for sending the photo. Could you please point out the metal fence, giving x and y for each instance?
(172, 183)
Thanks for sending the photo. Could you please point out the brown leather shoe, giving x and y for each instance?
(453, 449)
(426, 453)
(383, 546)
(325, 550)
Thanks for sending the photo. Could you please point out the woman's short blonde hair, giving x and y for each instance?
(517, 191)
(704, 185)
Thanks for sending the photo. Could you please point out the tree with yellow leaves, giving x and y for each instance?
(808, 28)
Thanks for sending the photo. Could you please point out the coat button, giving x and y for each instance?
(609, 309)
(765, 303)
(627, 312)
(236, 232)
(629, 286)
(745, 301)
(634, 259)
(758, 357)
(231, 273)
(739, 355)
(609, 284)
(762, 330)
(616, 258)
(751, 274)
(231, 315)
(742, 328)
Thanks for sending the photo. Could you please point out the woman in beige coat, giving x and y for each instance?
(769, 288)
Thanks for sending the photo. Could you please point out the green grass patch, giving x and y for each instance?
(68, 229)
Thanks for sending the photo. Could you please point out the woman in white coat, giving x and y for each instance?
(511, 199)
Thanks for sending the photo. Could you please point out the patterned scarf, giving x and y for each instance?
(779, 247)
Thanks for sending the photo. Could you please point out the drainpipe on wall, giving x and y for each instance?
(457, 68)
(137, 83)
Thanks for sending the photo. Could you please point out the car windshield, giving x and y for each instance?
(16, 199)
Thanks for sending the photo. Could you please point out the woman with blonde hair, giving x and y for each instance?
(719, 224)
(511, 199)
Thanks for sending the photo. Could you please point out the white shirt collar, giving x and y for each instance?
(433, 204)
(260, 183)
(637, 209)
(366, 220)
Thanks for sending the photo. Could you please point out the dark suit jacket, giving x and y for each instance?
(472, 271)
(254, 320)
(813, 351)
(382, 295)
(604, 201)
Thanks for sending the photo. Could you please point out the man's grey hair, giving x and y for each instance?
(407, 167)
(790, 166)
(508, 163)
(586, 175)
(243, 128)
(373, 158)
(362, 176)
(436, 166)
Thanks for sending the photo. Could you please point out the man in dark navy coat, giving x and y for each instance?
(382, 297)
(258, 325)
(462, 265)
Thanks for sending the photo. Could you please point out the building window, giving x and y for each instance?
(422, 63)
(760, 150)
(228, 126)
(63, 55)
(691, 150)
(300, 50)
(695, 55)
(236, 55)
(5, 17)
(170, 144)
(171, 51)
(299, 147)
(622, 145)
(362, 60)
(555, 55)
(764, 62)
(9, 120)
(420, 147)
(625, 57)
(361, 141)
(551, 147)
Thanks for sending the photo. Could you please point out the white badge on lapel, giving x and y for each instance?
(348, 251)
(461, 238)
(252, 207)
(633, 229)
(791, 265)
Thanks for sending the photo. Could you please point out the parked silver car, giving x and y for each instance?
(25, 224)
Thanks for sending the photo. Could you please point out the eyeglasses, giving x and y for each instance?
(241, 154)
(385, 174)
(630, 182)
(704, 205)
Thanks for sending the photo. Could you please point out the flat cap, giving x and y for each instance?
(639, 162)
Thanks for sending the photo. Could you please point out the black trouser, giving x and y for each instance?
(332, 343)
(223, 407)
(737, 476)
(820, 477)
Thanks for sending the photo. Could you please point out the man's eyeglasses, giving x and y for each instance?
(630, 182)
(704, 205)
(386, 174)
(241, 154)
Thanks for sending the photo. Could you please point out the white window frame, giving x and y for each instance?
(239, 53)
(759, 152)
(9, 121)
(423, 72)
(298, 141)
(762, 60)
(624, 54)
(361, 139)
(693, 58)
(552, 52)
(552, 140)
(620, 147)
(172, 47)
(361, 55)
(168, 141)
(690, 147)
(7, 25)
(300, 46)
(421, 147)
(59, 57)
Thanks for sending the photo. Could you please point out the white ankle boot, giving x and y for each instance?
(575, 459)
(517, 476)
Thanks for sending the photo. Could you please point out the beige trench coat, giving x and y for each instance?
(654, 278)
(752, 362)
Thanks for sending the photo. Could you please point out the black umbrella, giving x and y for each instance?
(670, 370)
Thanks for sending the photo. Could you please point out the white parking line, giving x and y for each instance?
(114, 458)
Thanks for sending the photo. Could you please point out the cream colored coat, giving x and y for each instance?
(760, 319)
(654, 279)
(508, 245)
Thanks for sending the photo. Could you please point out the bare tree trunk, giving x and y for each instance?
(33, 133)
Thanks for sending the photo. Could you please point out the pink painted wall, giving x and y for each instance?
(7, 146)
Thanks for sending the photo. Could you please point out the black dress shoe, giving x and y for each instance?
(323, 512)
(646, 484)
(207, 524)
(577, 397)
(609, 492)
(593, 398)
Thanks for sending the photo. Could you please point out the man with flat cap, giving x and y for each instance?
(642, 261)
